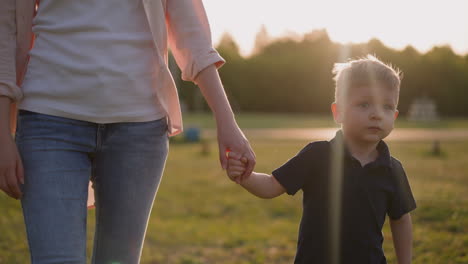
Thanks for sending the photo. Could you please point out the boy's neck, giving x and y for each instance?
(364, 152)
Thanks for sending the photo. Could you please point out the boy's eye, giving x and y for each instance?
(388, 107)
(364, 105)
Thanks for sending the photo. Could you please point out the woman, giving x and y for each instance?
(97, 102)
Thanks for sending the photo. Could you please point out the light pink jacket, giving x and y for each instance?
(180, 23)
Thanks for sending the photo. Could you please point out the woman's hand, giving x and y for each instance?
(11, 167)
(231, 138)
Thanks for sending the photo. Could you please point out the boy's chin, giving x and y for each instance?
(366, 139)
(373, 138)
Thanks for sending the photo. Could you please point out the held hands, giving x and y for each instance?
(232, 140)
(259, 184)
(230, 137)
(236, 166)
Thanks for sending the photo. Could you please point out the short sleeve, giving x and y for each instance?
(402, 200)
(292, 174)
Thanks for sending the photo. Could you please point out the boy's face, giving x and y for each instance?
(367, 114)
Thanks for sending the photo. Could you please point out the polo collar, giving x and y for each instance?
(383, 158)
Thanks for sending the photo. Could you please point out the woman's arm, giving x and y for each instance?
(5, 116)
(11, 168)
(402, 238)
(230, 137)
(190, 41)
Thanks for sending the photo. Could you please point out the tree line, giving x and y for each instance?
(294, 75)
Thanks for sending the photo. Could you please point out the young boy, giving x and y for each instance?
(350, 183)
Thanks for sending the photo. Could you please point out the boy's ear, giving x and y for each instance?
(336, 113)
(396, 114)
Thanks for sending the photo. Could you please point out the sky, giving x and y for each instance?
(397, 23)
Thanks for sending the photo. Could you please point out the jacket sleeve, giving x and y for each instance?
(190, 37)
(8, 86)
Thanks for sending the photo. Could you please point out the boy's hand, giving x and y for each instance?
(236, 166)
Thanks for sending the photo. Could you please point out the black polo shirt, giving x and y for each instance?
(368, 194)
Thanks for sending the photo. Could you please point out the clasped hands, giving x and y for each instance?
(236, 167)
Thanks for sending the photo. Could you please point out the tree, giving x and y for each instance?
(262, 39)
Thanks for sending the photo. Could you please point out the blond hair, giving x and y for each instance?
(367, 71)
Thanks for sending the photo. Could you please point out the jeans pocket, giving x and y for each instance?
(27, 122)
(33, 125)
(22, 115)
(157, 127)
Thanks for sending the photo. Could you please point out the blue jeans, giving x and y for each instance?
(125, 161)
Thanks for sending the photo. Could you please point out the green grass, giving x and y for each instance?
(202, 217)
(263, 120)
(274, 120)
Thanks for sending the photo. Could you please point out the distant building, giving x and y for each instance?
(423, 109)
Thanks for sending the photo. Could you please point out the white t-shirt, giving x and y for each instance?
(92, 60)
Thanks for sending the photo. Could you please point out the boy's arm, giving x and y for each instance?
(402, 238)
(259, 184)
(263, 185)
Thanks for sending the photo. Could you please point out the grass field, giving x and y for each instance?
(274, 120)
(202, 217)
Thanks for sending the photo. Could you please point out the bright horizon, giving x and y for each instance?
(421, 24)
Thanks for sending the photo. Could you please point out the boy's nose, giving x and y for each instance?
(376, 114)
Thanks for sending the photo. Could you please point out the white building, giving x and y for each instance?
(423, 109)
